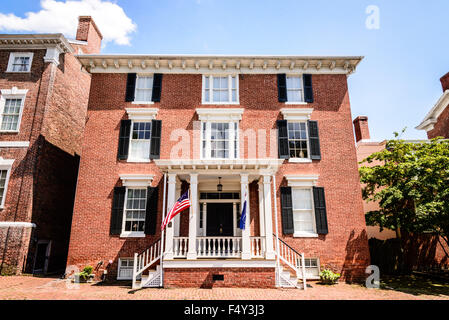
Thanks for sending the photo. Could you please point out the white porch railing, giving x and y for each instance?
(218, 247)
(180, 247)
(257, 247)
(292, 258)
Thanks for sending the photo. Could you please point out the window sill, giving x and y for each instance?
(142, 102)
(132, 235)
(17, 71)
(138, 160)
(296, 102)
(305, 235)
(300, 160)
(9, 131)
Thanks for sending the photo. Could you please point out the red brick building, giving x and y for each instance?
(436, 122)
(272, 134)
(43, 105)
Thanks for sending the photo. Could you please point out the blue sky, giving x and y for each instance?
(395, 85)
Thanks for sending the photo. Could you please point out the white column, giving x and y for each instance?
(177, 218)
(269, 250)
(169, 230)
(261, 210)
(246, 245)
(193, 214)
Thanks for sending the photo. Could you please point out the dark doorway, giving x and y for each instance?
(219, 220)
(41, 259)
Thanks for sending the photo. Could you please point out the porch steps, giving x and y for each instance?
(289, 280)
(150, 280)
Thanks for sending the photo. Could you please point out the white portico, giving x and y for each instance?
(213, 216)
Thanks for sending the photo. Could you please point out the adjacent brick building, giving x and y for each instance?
(269, 133)
(436, 122)
(43, 103)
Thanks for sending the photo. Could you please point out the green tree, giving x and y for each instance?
(410, 183)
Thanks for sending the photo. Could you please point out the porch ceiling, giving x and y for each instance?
(222, 166)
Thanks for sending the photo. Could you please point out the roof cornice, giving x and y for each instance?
(432, 116)
(200, 64)
(35, 41)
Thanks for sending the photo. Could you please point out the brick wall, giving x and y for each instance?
(344, 249)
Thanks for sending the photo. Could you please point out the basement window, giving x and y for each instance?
(125, 269)
(312, 267)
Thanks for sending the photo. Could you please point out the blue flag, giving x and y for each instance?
(243, 217)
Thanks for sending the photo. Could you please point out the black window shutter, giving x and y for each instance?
(320, 210)
(283, 148)
(157, 87)
(151, 210)
(155, 145)
(308, 89)
(282, 87)
(287, 210)
(123, 139)
(314, 140)
(118, 202)
(130, 87)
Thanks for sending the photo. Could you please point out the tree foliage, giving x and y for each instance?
(410, 182)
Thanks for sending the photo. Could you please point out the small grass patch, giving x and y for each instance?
(415, 285)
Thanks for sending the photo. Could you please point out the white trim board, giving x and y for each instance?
(15, 224)
(14, 144)
(432, 116)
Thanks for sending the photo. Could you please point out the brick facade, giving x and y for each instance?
(344, 248)
(43, 176)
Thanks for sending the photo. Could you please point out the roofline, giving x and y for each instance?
(232, 56)
(35, 41)
(431, 118)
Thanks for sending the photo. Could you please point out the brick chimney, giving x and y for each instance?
(361, 128)
(445, 81)
(88, 31)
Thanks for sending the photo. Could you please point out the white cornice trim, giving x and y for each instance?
(296, 114)
(14, 224)
(14, 144)
(431, 118)
(301, 181)
(219, 114)
(35, 41)
(144, 114)
(136, 180)
(219, 64)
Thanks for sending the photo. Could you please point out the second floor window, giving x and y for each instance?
(139, 147)
(219, 140)
(297, 139)
(295, 89)
(135, 210)
(20, 62)
(220, 89)
(144, 88)
(11, 114)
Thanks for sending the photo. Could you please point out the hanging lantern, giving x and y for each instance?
(219, 185)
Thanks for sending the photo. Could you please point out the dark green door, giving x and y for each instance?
(219, 220)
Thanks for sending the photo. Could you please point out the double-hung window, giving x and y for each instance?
(222, 89)
(139, 147)
(295, 91)
(11, 108)
(219, 140)
(20, 62)
(5, 171)
(135, 210)
(298, 140)
(144, 89)
(303, 213)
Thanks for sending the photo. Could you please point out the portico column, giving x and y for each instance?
(169, 230)
(261, 210)
(193, 214)
(177, 218)
(246, 244)
(269, 250)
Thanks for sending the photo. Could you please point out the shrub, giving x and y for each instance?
(329, 277)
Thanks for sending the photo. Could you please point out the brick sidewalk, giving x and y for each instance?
(27, 287)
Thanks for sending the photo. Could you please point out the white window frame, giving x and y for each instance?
(139, 115)
(296, 159)
(14, 55)
(211, 77)
(233, 140)
(304, 182)
(299, 115)
(13, 93)
(5, 164)
(119, 277)
(133, 181)
(301, 79)
(135, 89)
(308, 274)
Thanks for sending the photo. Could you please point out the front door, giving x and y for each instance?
(219, 220)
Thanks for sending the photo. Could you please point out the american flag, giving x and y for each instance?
(180, 205)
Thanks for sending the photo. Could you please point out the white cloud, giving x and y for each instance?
(62, 17)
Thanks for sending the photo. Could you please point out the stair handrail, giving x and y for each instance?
(145, 259)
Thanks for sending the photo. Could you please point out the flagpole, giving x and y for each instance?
(277, 232)
(163, 231)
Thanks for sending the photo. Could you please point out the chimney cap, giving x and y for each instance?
(91, 20)
(360, 118)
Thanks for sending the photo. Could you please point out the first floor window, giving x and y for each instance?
(303, 213)
(125, 269)
(11, 114)
(3, 177)
(144, 88)
(295, 89)
(298, 139)
(20, 62)
(219, 140)
(140, 141)
(220, 89)
(135, 210)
